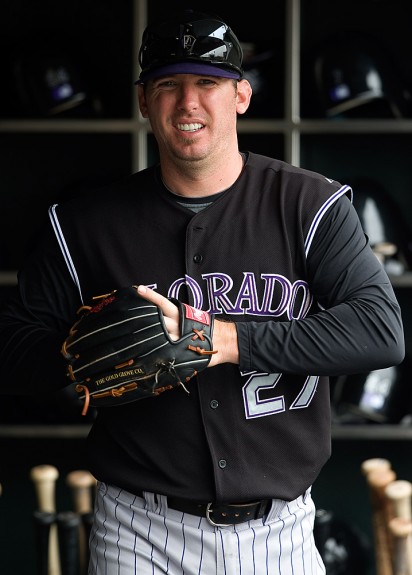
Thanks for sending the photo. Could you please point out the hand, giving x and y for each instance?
(224, 333)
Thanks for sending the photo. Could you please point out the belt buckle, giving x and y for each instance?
(208, 517)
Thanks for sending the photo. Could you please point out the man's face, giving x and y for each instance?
(193, 117)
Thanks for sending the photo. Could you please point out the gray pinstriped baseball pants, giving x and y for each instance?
(136, 536)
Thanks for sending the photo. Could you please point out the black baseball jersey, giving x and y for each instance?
(282, 254)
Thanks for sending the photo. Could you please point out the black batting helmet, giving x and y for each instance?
(191, 42)
(354, 77)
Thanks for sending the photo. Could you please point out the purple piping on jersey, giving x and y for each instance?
(63, 246)
(316, 221)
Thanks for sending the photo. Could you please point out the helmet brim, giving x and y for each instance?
(187, 67)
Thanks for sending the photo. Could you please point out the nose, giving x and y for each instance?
(187, 99)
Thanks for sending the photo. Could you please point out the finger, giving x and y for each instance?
(168, 308)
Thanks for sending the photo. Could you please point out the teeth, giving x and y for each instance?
(189, 127)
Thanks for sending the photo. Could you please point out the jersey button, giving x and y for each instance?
(197, 258)
(222, 463)
(214, 404)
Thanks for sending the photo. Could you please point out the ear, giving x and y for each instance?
(142, 101)
(244, 94)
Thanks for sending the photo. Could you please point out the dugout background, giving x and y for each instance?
(52, 147)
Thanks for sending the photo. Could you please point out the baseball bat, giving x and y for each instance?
(68, 523)
(401, 530)
(81, 483)
(399, 494)
(43, 520)
(377, 480)
(44, 478)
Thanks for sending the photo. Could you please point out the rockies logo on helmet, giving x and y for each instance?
(188, 42)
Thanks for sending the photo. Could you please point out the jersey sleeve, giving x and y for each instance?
(357, 326)
(34, 321)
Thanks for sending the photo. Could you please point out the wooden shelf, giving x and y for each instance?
(370, 432)
(44, 431)
(374, 432)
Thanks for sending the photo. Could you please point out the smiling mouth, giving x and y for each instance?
(190, 127)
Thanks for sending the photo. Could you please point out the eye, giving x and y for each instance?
(207, 81)
(165, 83)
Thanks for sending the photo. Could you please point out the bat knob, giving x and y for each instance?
(80, 478)
(44, 473)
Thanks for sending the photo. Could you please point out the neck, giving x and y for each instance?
(192, 181)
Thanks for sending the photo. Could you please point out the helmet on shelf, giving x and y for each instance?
(383, 223)
(190, 38)
(52, 84)
(354, 78)
(262, 67)
(378, 396)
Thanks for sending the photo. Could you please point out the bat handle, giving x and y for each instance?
(81, 483)
(401, 529)
(68, 523)
(377, 481)
(399, 494)
(44, 478)
(43, 520)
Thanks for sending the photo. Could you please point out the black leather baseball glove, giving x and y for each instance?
(120, 350)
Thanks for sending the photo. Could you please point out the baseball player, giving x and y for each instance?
(216, 480)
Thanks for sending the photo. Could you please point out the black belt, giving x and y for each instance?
(221, 514)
